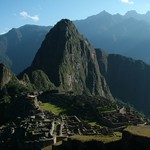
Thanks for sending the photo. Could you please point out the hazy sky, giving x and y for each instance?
(15, 13)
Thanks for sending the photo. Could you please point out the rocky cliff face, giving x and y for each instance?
(128, 79)
(70, 61)
(5, 76)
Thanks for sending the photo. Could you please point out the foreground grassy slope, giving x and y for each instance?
(52, 108)
(85, 107)
(139, 130)
(104, 139)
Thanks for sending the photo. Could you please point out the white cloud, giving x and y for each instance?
(127, 1)
(26, 15)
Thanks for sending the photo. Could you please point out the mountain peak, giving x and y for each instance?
(65, 26)
(66, 22)
(131, 13)
(69, 61)
(54, 46)
(104, 12)
(148, 13)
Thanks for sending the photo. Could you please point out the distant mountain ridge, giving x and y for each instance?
(134, 14)
(127, 35)
(18, 46)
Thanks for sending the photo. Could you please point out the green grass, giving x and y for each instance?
(92, 123)
(105, 139)
(105, 109)
(139, 130)
(119, 134)
(52, 108)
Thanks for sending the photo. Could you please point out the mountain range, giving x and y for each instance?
(56, 61)
(67, 62)
(61, 74)
(18, 46)
(127, 35)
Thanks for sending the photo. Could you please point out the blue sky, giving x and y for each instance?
(15, 13)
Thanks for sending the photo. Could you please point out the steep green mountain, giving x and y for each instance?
(19, 46)
(69, 61)
(10, 87)
(9, 83)
(128, 79)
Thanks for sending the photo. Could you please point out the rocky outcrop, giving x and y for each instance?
(70, 61)
(5, 75)
(127, 78)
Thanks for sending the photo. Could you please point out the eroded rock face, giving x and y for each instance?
(70, 61)
(128, 79)
(5, 76)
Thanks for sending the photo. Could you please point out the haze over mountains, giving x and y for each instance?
(18, 46)
(128, 79)
(134, 14)
(128, 35)
(69, 61)
(68, 87)
(65, 62)
(64, 50)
